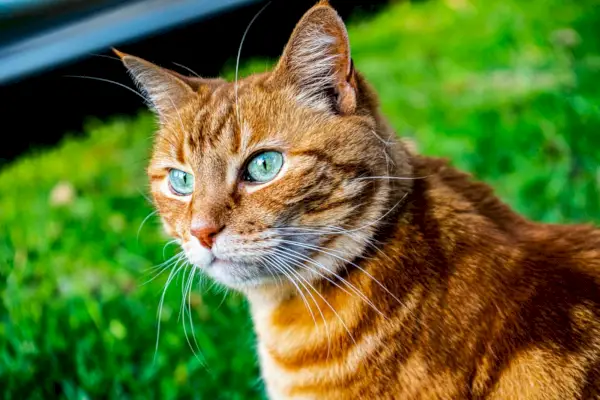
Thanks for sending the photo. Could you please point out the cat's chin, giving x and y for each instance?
(236, 275)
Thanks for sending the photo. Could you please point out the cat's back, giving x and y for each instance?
(539, 284)
(581, 241)
(488, 226)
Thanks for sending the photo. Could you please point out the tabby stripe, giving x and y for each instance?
(180, 156)
(197, 134)
(218, 131)
(156, 177)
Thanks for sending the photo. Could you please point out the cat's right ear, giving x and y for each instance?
(317, 62)
(166, 91)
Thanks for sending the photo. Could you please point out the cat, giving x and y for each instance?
(372, 272)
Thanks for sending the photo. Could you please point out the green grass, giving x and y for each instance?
(508, 90)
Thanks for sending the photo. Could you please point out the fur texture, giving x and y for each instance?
(372, 271)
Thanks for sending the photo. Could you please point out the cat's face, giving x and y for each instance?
(274, 175)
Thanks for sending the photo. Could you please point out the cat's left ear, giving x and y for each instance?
(317, 62)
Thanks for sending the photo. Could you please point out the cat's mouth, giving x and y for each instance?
(235, 272)
(271, 260)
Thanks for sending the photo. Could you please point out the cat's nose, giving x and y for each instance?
(206, 234)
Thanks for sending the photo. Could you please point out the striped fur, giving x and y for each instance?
(372, 272)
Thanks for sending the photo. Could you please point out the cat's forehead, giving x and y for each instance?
(226, 120)
(234, 119)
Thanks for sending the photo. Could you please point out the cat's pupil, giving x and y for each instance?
(263, 163)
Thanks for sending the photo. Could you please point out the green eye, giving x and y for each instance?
(264, 167)
(181, 182)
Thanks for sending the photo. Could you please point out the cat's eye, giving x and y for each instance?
(263, 167)
(181, 182)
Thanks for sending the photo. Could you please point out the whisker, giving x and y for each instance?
(237, 60)
(190, 318)
(105, 56)
(148, 199)
(302, 257)
(158, 266)
(172, 274)
(167, 244)
(184, 286)
(225, 293)
(321, 250)
(277, 266)
(109, 81)
(153, 213)
(381, 139)
(283, 269)
(183, 301)
(367, 241)
(403, 178)
(167, 264)
(294, 242)
(378, 219)
(333, 231)
(291, 270)
(191, 71)
(178, 114)
(369, 223)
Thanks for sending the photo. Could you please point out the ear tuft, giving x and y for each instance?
(317, 61)
(119, 54)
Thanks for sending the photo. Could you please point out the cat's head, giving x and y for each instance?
(279, 174)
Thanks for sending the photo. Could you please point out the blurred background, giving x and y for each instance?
(508, 90)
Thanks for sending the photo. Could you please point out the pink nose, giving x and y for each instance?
(206, 235)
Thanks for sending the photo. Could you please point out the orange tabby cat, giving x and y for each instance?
(372, 272)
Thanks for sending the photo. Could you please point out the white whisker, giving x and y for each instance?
(321, 250)
(378, 219)
(291, 270)
(93, 78)
(225, 293)
(402, 178)
(172, 274)
(284, 268)
(153, 213)
(268, 260)
(187, 294)
(237, 61)
(190, 318)
(341, 231)
(302, 257)
(167, 244)
(164, 266)
(331, 230)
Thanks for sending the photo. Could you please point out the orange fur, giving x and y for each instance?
(407, 278)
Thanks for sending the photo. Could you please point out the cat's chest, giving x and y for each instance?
(306, 361)
(308, 382)
(335, 357)
(312, 365)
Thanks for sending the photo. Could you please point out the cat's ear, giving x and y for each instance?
(165, 90)
(317, 61)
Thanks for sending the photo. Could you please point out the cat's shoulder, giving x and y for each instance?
(441, 172)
